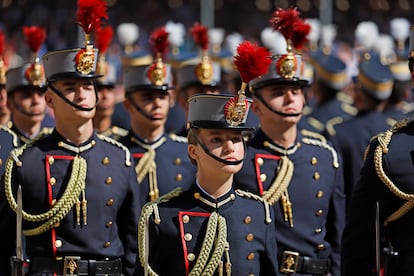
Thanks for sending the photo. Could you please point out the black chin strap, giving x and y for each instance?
(21, 110)
(145, 114)
(226, 162)
(60, 94)
(258, 96)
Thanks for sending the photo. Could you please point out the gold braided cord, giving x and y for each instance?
(220, 245)
(146, 212)
(281, 182)
(207, 245)
(257, 198)
(119, 145)
(330, 125)
(322, 144)
(314, 135)
(61, 208)
(380, 150)
(13, 134)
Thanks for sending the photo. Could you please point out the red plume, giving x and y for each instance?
(34, 36)
(251, 60)
(2, 41)
(291, 26)
(159, 41)
(300, 36)
(90, 14)
(200, 35)
(103, 38)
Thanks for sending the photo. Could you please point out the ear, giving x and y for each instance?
(192, 151)
(127, 105)
(256, 108)
(49, 99)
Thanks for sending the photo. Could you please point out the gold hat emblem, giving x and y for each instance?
(35, 74)
(157, 72)
(204, 71)
(287, 65)
(235, 110)
(85, 60)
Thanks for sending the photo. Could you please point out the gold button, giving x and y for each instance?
(247, 220)
(263, 177)
(260, 161)
(108, 180)
(319, 194)
(53, 201)
(232, 197)
(177, 161)
(318, 230)
(190, 257)
(196, 195)
(251, 274)
(52, 181)
(319, 212)
(1, 162)
(314, 161)
(316, 176)
(51, 160)
(335, 165)
(56, 225)
(105, 161)
(250, 257)
(249, 237)
(110, 202)
(186, 219)
(58, 243)
(179, 177)
(109, 224)
(93, 143)
(107, 244)
(188, 237)
(321, 246)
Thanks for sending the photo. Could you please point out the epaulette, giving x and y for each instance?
(119, 131)
(316, 124)
(258, 198)
(319, 140)
(343, 97)
(390, 121)
(349, 108)
(177, 138)
(14, 135)
(119, 145)
(330, 125)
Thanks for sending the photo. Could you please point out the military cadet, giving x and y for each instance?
(210, 229)
(161, 160)
(372, 88)
(79, 191)
(8, 141)
(26, 86)
(382, 201)
(298, 173)
(105, 85)
(330, 79)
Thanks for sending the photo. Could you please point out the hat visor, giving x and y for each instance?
(162, 88)
(73, 75)
(294, 81)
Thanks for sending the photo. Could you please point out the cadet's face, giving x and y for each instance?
(283, 98)
(28, 105)
(78, 91)
(106, 101)
(225, 144)
(153, 103)
(3, 101)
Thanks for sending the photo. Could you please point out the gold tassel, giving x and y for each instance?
(78, 212)
(84, 208)
(220, 268)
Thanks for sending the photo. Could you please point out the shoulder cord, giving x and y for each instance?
(380, 150)
(314, 135)
(62, 206)
(147, 210)
(119, 145)
(148, 166)
(330, 125)
(257, 198)
(322, 144)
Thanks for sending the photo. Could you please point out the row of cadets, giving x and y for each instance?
(373, 86)
(105, 86)
(296, 172)
(161, 160)
(26, 86)
(381, 204)
(212, 228)
(329, 80)
(80, 196)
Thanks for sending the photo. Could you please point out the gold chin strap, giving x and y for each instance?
(147, 166)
